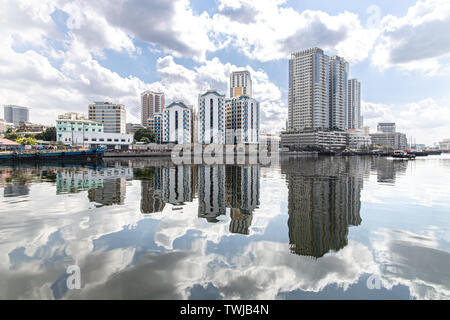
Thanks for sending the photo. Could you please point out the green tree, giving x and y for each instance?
(145, 140)
(48, 134)
(26, 141)
(12, 136)
(144, 133)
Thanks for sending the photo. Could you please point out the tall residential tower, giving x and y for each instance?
(354, 118)
(151, 103)
(240, 84)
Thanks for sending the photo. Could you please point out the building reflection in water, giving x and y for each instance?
(211, 192)
(387, 169)
(323, 201)
(242, 195)
(151, 189)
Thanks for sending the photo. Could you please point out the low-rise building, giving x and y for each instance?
(117, 141)
(295, 139)
(395, 140)
(73, 122)
(357, 139)
(29, 127)
(156, 124)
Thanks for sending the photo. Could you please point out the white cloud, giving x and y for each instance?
(427, 120)
(417, 41)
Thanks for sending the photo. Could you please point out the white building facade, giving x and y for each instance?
(177, 127)
(116, 141)
(211, 118)
(338, 93)
(242, 120)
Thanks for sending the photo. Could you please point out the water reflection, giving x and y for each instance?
(151, 229)
(324, 200)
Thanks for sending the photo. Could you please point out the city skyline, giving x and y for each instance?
(398, 79)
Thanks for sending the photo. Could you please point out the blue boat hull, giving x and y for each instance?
(58, 155)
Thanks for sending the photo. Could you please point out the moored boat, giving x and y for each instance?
(400, 154)
(44, 155)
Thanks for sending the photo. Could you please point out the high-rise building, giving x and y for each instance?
(309, 90)
(156, 124)
(151, 103)
(354, 118)
(386, 127)
(240, 84)
(338, 93)
(112, 116)
(16, 114)
(211, 118)
(177, 123)
(242, 120)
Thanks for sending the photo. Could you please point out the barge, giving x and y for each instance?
(93, 154)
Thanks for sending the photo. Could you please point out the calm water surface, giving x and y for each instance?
(327, 228)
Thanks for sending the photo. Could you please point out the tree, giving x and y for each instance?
(144, 133)
(145, 140)
(12, 136)
(48, 134)
(26, 141)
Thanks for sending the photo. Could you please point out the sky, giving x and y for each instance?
(59, 56)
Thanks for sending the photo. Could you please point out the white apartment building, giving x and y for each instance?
(309, 88)
(338, 93)
(113, 116)
(242, 118)
(357, 139)
(354, 118)
(211, 118)
(151, 103)
(240, 84)
(177, 123)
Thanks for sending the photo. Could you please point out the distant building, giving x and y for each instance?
(395, 140)
(386, 127)
(240, 84)
(357, 139)
(27, 127)
(354, 118)
(113, 116)
(300, 139)
(151, 103)
(16, 114)
(131, 128)
(242, 118)
(73, 122)
(177, 123)
(445, 144)
(5, 125)
(211, 118)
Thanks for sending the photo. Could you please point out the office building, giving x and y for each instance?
(16, 114)
(358, 139)
(240, 84)
(393, 140)
(242, 118)
(338, 93)
(211, 118)
(354, 118)
(177, 123)
(151, 103)
(113, 116)
(309, 90)
(386, 127)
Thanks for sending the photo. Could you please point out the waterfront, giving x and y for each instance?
(306, 229)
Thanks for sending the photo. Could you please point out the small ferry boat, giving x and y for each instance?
(400, 154)
(52, 154)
